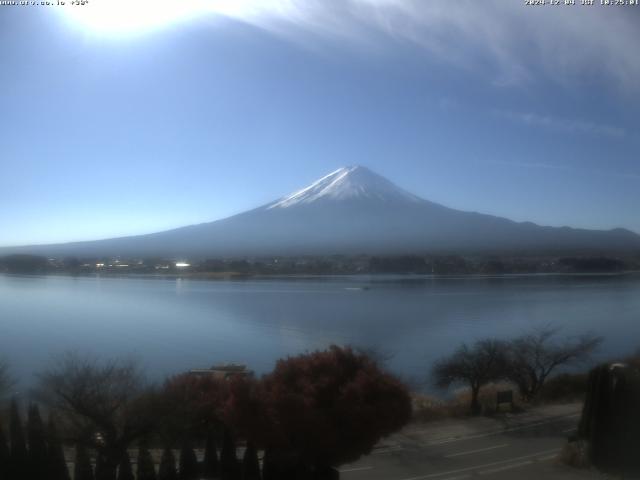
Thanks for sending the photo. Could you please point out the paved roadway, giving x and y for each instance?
(521, 446)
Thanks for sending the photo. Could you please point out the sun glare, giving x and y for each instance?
(135, 16)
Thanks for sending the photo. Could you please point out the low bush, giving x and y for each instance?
(633, 360)
(564, 387)
(427, 408)
(488, 398)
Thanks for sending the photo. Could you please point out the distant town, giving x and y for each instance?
(323, 265)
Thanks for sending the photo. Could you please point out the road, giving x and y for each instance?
(508, 446)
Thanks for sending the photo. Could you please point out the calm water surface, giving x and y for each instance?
(177, 324)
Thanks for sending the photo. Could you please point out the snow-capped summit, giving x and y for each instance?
(350, 211)
(347, 183)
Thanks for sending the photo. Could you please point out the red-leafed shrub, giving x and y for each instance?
(246, 410)
(193, 404)
(313, 411)
(331, 407)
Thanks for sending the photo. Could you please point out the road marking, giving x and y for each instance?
(479, 450)
(506, 467)
(354, 469)
(387, 450)
(485, 465)
(547, 458)
(569, 430)
(492, 432)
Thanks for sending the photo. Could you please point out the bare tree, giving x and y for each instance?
(105, 405)
(474, 366)
(534, 356)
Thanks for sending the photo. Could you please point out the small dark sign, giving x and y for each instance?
(504, 396)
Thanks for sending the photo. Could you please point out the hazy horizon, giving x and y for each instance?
(282, 197)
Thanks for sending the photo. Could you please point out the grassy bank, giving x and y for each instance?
(563, 388)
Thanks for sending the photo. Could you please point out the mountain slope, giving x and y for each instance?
(352, 210)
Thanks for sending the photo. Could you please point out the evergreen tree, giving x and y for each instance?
(188, 463)
(57, 463)
(103, 472)
(83, 469)
(125, 472)
(228, 459)
(19, 456)
(250, 463)
(269, 470)
(146, 469)
(38, 455)
(4, 455)
(210, 462)
(167, 466)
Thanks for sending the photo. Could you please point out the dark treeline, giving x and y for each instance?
(328, 265)
(25, 264)
(313, 413)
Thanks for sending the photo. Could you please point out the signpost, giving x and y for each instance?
(504, 396)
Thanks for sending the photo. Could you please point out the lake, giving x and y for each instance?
(172, 325)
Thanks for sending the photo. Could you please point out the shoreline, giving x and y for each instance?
(237, 276)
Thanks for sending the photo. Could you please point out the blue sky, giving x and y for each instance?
(122, 119)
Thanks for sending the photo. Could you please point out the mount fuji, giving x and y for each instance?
(350, 211)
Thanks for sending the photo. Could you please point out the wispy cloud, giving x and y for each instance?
(562, 125)
(505, 41)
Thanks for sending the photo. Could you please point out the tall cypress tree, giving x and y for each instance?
(269, 469)
(210, 465)
(228, 459)
(18, 456)
(106, 469)
(4, 455)
(125, 472)
(188, 463)
(57, 462)
(82, 469)
(146, 469)
(101, 470)
(250, 463)
(38, 454)
(167, 466)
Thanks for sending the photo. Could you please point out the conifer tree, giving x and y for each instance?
(167, 466)
(146, 469)
(188, 463)
(18, 456)
(102, 471)
(4, 455)
(228, 459)
(38, 455)
(269, 470)
(250, 463)
(210, 462)
(125, 472)
(57, 462)
(82, 469)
